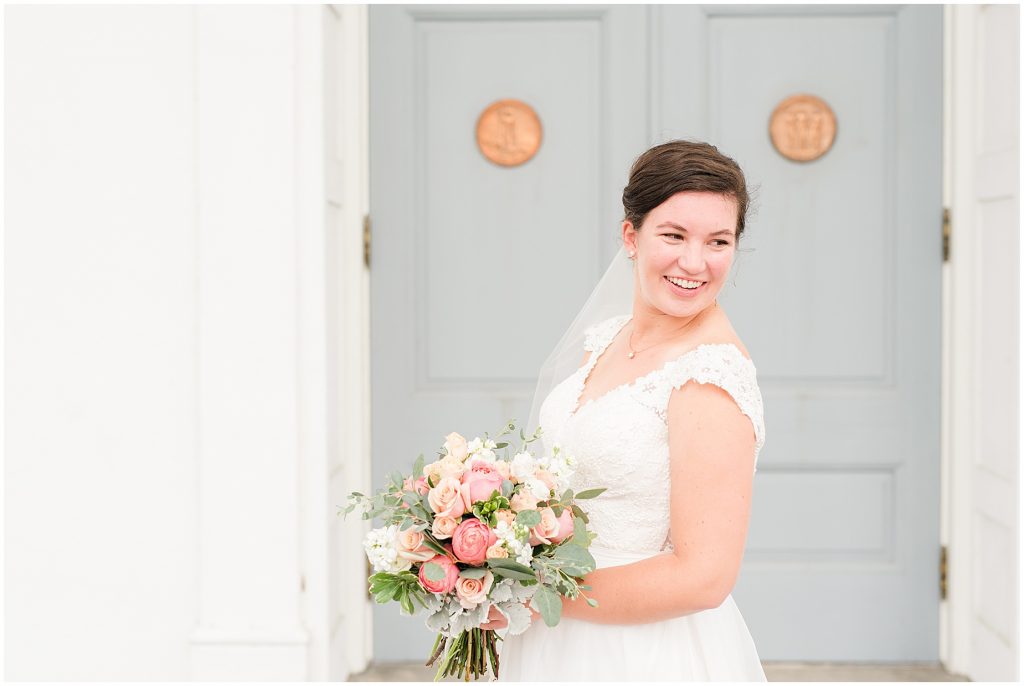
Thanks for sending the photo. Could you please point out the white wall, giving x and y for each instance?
(167, 512)
(101, 355)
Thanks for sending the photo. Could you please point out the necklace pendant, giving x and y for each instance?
(631, 354)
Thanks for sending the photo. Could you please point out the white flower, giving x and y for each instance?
(381, 547)
(538, 488)
(481, 450)
(523, 466)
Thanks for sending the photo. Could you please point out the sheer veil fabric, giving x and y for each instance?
(612, 296)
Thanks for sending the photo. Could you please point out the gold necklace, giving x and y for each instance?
(629, 342)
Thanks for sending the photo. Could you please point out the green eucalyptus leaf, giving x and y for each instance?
(433, 571)
(528, 518)
(473, 573)
(417, 468)
(591, 493)
(591, 602)
(550, 605)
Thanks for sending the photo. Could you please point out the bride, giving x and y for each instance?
(677, 458)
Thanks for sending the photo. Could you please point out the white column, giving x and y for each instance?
(249, 625)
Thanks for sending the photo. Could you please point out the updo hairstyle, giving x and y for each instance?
(681, 165)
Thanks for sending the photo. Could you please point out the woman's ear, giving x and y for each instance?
(629, 238)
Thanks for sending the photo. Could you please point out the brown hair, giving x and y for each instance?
(681, 165)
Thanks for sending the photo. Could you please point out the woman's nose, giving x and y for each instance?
(691, 259)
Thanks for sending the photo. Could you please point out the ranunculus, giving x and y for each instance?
(444, 527)
(523, 500)
(471, 540)
(483, 478)
(472, 592)
(497, 551)
(456, 446)
(547, 527)
(565, 526)
(445, 499)
(545, 476)
(507, 516)
(410, 546)
(451, 574)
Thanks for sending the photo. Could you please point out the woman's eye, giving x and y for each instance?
(722, 242)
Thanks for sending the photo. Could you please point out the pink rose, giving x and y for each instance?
(472, 592)
(471, 540)
(547, 527)
(523, 500)
(445, 499)
(419, 486)
(444, 527)
(483, 478)
(451, 574)
(411, 546)
(565, 526)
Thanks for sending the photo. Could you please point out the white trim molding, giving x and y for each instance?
(981, 494)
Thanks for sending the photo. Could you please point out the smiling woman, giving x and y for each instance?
(677, 458)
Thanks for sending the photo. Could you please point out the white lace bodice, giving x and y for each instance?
(620, 439)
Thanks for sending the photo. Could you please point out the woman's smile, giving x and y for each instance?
(685, 292)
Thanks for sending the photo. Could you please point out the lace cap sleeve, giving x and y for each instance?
(723, 365)
(601, 334)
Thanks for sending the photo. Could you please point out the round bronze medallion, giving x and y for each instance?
(802, 127)
(508, 132)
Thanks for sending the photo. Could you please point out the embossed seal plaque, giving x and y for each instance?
(802, 127)
(508, 132)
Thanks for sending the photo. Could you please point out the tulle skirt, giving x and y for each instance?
(712, 645)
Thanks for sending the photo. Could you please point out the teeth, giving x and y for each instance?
(684, 284)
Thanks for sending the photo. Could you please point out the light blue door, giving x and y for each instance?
(837, 295)
(836, 290)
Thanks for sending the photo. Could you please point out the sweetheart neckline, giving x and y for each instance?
(592, 362)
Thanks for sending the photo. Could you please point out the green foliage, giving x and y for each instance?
(528, 518)
(550, 605)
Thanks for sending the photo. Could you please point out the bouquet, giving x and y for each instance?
(475, 530)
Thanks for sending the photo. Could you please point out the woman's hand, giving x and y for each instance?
(496, 620)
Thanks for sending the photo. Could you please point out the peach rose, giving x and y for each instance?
(445, 499)
(472, 592)
(545, 476)
(523, 500)
(471, 540)
(507, 516)
(456, 446)
(503, 468)
(432, 472)
(452, 467)
(419, 486)
(444, 527)
(483, 478)
(497, 551)
(451, 574)
(547, 527)
(411, 546)
(565, 526)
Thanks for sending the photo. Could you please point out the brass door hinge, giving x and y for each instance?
(947, 229)
(366, 240)
(942, 574)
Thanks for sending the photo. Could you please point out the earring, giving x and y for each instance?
(631, 254)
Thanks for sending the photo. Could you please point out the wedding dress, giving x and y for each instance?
(621, 438)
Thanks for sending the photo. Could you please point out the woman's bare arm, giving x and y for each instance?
(711, 448)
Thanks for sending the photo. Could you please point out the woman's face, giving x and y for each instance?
(692, 237)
